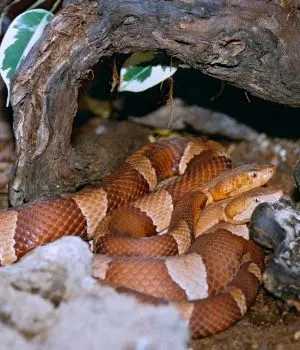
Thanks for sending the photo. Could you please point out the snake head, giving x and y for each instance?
(240, 208)
(259, 174)
(241, 179)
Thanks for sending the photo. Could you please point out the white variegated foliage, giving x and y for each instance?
(22, 34)
(142, 70)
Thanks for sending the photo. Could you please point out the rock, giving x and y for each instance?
(12, 340)
(296, 175)
(54, 271)
(201, 119)
(116, 322)
(25, 312)
(277, 226)
(49, 300)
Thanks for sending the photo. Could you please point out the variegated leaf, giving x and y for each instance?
(22, 34)
(142, 70)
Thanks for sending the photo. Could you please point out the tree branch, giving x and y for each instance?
(254, 45)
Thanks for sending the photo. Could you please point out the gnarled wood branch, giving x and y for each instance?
(254, 45)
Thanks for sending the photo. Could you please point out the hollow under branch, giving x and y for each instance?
(254, 45)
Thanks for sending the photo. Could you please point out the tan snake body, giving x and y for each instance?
(145, 222)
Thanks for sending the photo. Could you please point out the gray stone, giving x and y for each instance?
(116, 322)
(201, 119)
(25, 312)
(50, 297)
(12, 340)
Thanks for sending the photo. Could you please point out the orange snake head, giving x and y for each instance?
(240, 208)
(239, 180)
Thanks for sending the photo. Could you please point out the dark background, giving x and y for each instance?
(194, 87)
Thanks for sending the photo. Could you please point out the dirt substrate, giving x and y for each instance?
(268, 325)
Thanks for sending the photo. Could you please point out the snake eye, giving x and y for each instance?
(254, 175)
(256, 200)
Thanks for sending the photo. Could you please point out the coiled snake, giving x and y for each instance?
(169, 224)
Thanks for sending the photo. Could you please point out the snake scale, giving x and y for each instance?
(167, 226)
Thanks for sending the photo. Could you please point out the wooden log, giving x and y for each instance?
(254, 45)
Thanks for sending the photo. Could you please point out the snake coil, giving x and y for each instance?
(169, 224)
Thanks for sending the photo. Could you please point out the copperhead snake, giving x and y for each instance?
(169, 224)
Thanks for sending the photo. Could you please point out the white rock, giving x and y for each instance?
(12, 340)
(116, 322)
(51, 296)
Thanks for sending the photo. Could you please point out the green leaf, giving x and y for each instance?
(22, 34)
(142, 70)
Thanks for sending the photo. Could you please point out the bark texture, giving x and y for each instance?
(254, 45)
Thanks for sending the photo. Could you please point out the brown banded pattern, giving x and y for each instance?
(30, 225)
(148, 215)
(47, 220)
(213, 280)
(156, 209)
